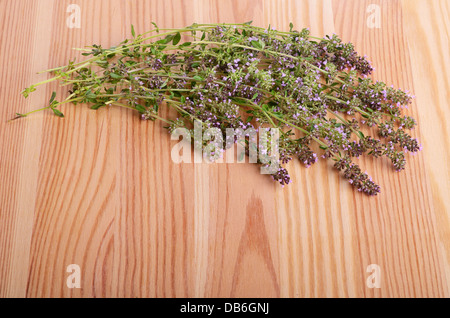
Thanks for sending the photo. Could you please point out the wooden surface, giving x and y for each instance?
(99, 189)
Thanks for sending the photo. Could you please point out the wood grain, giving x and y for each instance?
(98, 188)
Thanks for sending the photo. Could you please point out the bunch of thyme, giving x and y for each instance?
(315, 90)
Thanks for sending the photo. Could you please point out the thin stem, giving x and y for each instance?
(132, 108)
(60, 76)
(67, 100)
(261, 30)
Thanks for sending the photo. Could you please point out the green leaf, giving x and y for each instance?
(156, 27)
(361, 135)
(26, 92)
(97, 106)
(241, 156)
(278, 115)
(185, 44)
(176, 38)
(114, 75)
(291, 26)
(102, 63)
(323, 147)
(256, 45)
(254, 96)
(52, 98)
(198, 78)
(140, 108)
(132, 31)
(249, 119)
(130, 63)
(249, 22)
(90, 95)
(262, 44)
(57, 112)
(166, 40)
(165, 83)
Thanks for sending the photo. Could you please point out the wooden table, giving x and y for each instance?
(98, 188)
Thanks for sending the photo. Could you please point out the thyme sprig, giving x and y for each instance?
(243, 76)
